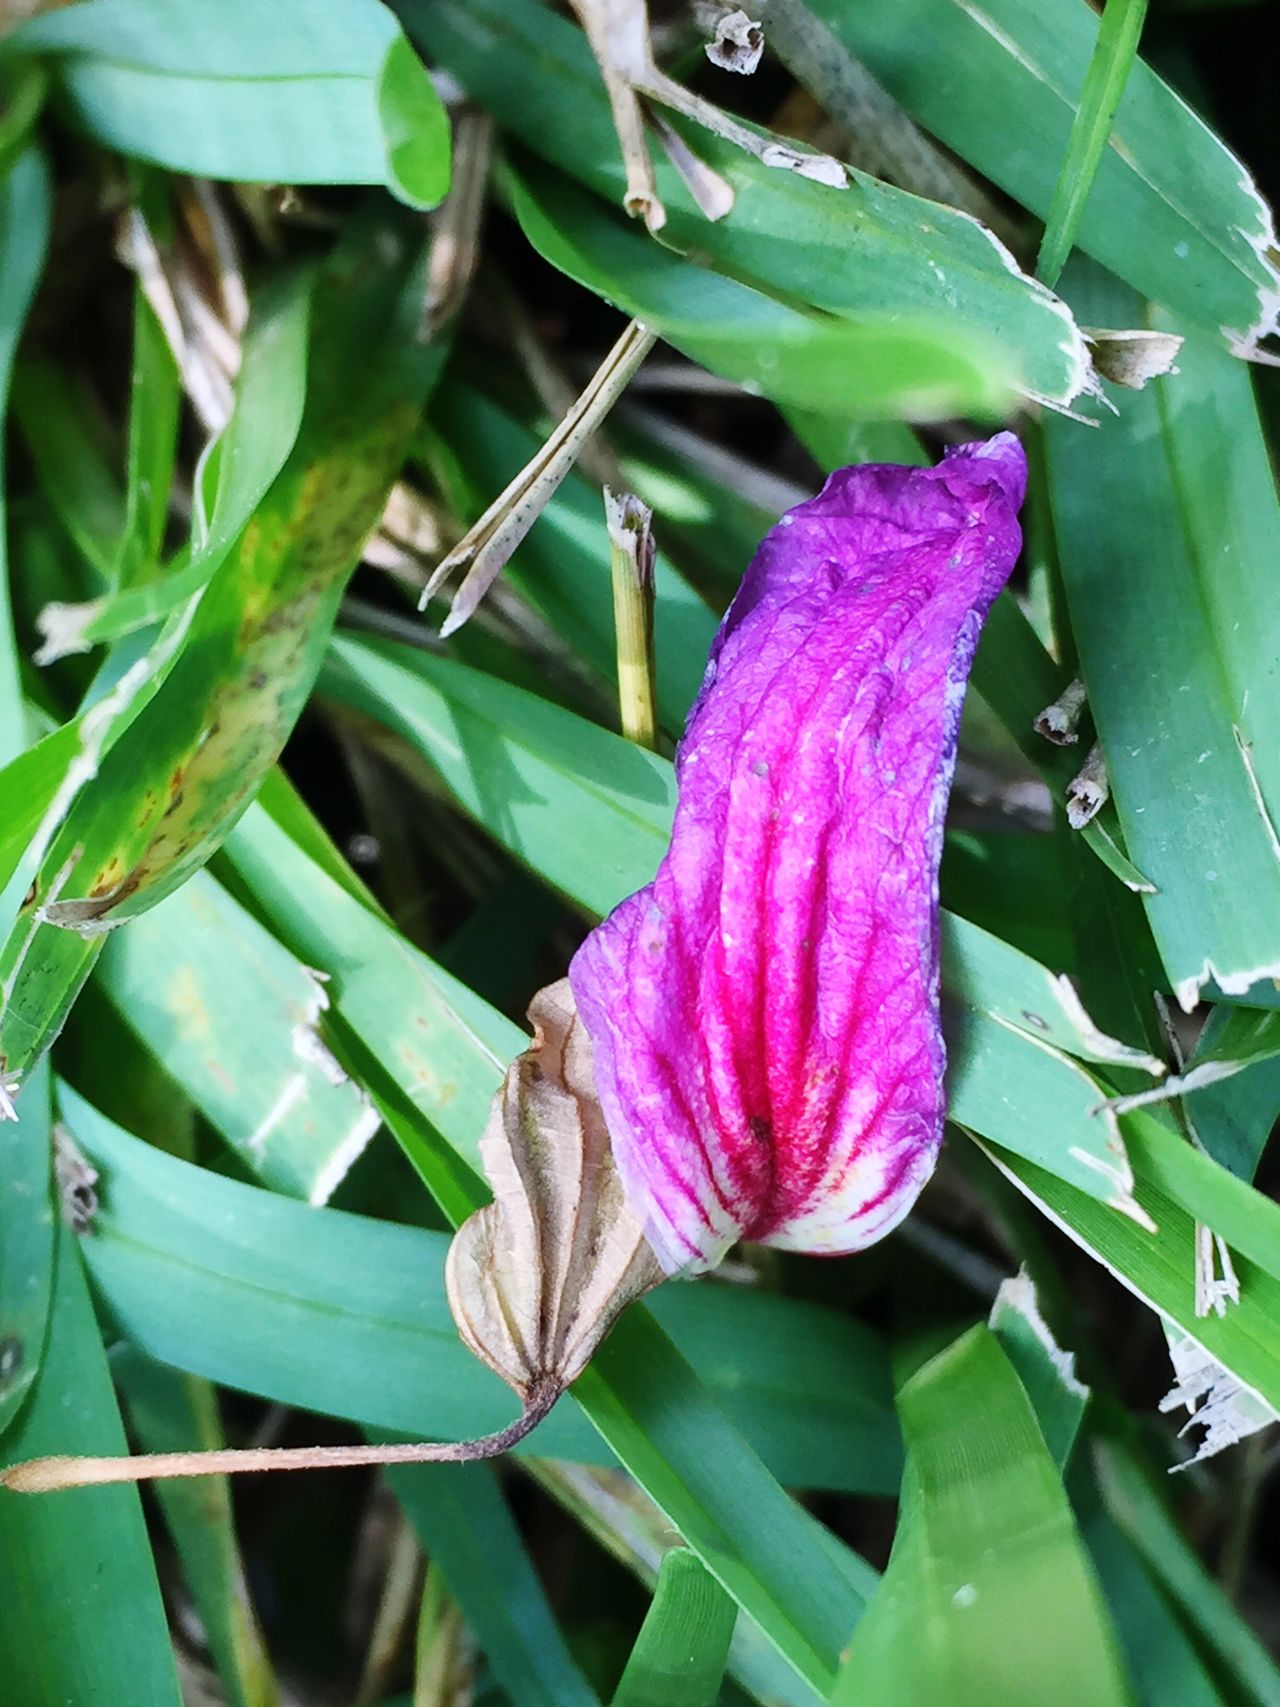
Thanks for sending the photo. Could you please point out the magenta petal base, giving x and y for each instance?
(765, 1012)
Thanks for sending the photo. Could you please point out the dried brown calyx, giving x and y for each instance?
(535, 1280)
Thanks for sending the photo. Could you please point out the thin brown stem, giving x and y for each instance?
(488, 545)
(51, 1475)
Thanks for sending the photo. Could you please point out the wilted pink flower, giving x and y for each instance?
(765, 1012)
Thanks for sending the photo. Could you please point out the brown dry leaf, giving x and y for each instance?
(536, 1279)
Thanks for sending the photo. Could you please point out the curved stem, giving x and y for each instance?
(48, 1475)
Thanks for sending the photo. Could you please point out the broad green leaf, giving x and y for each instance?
(683, 1643)
(166, 1219)
(298, 94)
(468, 1533)
(171, 1412)
(785, 235)
(1171, 209)
(26, 1245)
(81, 1619)
(592, 814)
(189, 763)
(988, 1597)
(879, 366)
(1109, 66)
(24, 228)
(236, 1020)
(1166, 517)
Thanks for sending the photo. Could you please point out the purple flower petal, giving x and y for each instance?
(765, 1012)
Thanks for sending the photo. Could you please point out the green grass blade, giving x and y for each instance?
(1046, 1371)
(1109, 66)
(1234, 1040)
(1238, 1037)
(786, 236)
(683, 1643)
(876, 367)
(298, 95)
(630, 1527)
(532, 773)
(234, 475)
(1160, 1267)
(23, 88)
(1235, 1117)
(69, 443)
(154, 398)
(1171, 209)
(1164, 1668)
(1140, 1513)
(171, 1412)
(28, 784)
(988, 1599)
(442, 1049)
(235, 1019)
(24, 230)
(26, 1246)
(468, 1533)
(190, 762)
(1155, 536)
(81, 1619)
(784, 1570)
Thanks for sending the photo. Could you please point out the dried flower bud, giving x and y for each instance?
(537, 1278)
